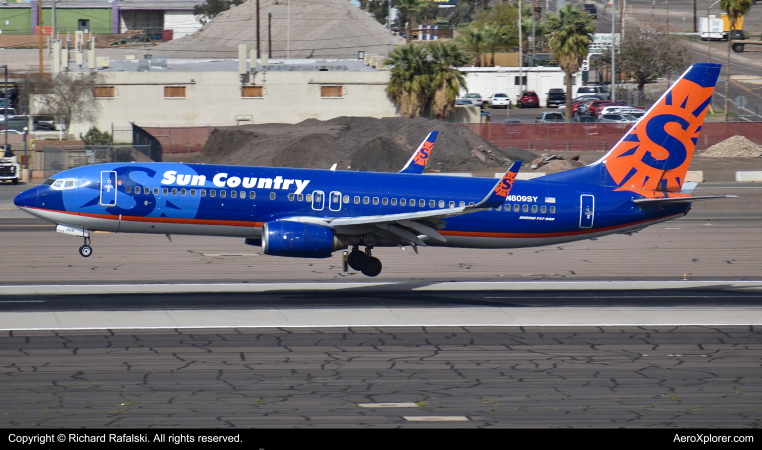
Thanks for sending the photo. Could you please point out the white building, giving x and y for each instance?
(505, 80)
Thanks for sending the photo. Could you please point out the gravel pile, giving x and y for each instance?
(734, 147)
(356, 143)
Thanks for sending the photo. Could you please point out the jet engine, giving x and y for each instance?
(298, 239)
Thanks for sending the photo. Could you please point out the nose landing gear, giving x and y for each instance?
(86, 250)
(364, 261)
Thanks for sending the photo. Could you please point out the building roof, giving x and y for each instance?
(160, 64)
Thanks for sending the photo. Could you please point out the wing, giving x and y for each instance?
(404, 228)
(420, 158)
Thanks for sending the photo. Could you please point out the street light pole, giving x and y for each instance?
(5, 96)
(613, 51)
(709, 33)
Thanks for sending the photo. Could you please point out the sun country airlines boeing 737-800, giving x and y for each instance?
(310, 213)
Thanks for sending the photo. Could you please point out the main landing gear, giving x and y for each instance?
(364, 261)
(86, 250)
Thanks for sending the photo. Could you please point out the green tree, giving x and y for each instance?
(735, 9)
(499, 38)
(569, 33)
(408, 9)
(446, 81)
(94, 136)
(209, 10)
(649, 54)
(410, 79)
(379, 9)
(474, 41)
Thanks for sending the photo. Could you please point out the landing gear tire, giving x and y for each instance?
(372, 266)
(356, 259)
(85, 250)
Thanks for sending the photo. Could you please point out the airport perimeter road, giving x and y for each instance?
(718, 239)
(455, 377)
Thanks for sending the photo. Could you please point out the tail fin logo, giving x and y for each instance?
(504, 187)
(421, 157)
(656, 153)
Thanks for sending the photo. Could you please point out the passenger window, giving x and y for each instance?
(155, 191)
(203, 192)
(243, 194)
(272, 195)
(470, 203)
(252, 195)
(385, 201)
(223, 194)
(193, 192)
(403, 202)
(233, 194)
(309, 198)
(525, 208)
(394, 202)
(516, 208)
(432, 203)
(499, 208)
(365, 200)
(174, 191)
(212, 193)
(462, 204)
(552, 209)
(441, 203)
(299, 197)
(534, 208)
(346, 199)
(357, 199)
(543, 209)
(452, 204)
(507, 207)
(128, 189)
(291, 197)
(421, 203)
(375, 200)
(146, 190)
(183, 191)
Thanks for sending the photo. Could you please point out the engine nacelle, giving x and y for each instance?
(301, 240)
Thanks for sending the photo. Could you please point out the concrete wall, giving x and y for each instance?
(182, 23)
(492, 80)
(214, 98)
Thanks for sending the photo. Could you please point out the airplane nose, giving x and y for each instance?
(27, 198)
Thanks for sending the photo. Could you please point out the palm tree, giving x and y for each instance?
(498, 38)
(474, 40)
(409, 8)
(410, 78)
(446, 81)
(570, 33)
(735, 9)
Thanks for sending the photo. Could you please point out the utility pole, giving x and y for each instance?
(39, 31)
(613, 50)
(269, 36)
(521, 55)
(259, 55)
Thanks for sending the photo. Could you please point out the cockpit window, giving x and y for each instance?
(66, 183)
(69, 184)
(58, 184)
(49, 181)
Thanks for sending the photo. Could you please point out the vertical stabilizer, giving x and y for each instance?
(653, 157)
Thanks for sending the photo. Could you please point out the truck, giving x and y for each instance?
(10, 169)
(714, 28)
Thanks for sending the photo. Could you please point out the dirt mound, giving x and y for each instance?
(555, 163)
(734, 147)
(356, 143)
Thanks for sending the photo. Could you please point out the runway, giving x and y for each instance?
(658, 329)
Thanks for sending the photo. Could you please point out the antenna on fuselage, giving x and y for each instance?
(333, 167)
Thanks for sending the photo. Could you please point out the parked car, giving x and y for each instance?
(556, 97)
(512, 121)
(499, 101)
(617, 118)
(550, 117)
(594, 106)
(464, 102)
(737, 35)
(475, 98)
(620, 109)
(600, 91)
(583, 118)
(591, 9)
(527, 99)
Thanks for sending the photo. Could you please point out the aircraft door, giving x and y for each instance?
(318, 200)
(586, 211)
(334, 202)
(108, 188)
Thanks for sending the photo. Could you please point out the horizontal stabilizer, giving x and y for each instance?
(673, 201)
(420, 158)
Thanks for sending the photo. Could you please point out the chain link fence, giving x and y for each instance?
(57, 159)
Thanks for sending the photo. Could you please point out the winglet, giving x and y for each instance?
(417, 162)
(501, 190)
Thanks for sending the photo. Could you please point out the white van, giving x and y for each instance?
(601, 91)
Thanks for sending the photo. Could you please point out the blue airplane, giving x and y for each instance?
(309, 213)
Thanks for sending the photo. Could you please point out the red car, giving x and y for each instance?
(599, 103)
(529, 98)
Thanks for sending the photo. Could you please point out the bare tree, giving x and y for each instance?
(66, 96)
(651, 53)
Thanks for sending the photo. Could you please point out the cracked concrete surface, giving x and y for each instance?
(497, 377)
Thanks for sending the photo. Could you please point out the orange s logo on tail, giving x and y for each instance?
(653, 158)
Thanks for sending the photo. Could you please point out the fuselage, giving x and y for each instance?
(197, 199)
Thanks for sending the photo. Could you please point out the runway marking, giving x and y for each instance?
(436, 418)
(387, 405)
